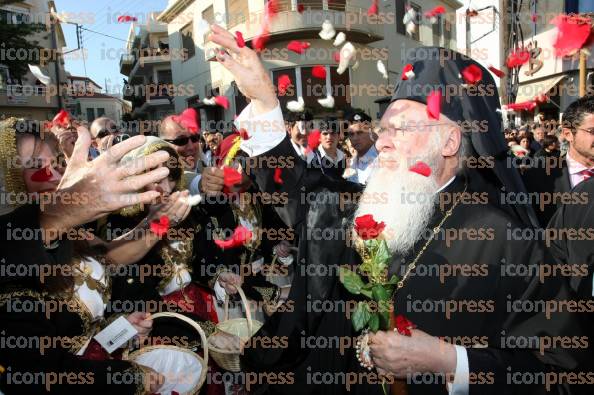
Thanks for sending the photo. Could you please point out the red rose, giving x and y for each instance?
(367, 228)
(403, 325)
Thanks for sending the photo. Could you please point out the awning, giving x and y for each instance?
(529, 91)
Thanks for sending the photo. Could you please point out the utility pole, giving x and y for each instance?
(56, 60)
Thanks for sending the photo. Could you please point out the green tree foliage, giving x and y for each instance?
(18, 36)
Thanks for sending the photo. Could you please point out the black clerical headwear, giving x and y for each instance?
(473, 105)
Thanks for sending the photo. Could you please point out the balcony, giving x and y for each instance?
(148, 56)
(126, 63)
(26, 95)
(346, 16)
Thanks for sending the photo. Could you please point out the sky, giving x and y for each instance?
(103, 53)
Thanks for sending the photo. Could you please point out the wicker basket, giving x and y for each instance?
(185, 356)
(244, 328)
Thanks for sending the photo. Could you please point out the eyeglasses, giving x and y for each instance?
(181, 141)
(106, 132)
(589, 131)
(391, 131)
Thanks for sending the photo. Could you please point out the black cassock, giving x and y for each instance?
(489, 308)
(572, 239)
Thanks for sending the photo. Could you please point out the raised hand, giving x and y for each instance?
(91, 189)
(253, 80)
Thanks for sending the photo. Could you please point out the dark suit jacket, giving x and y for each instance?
(542, 182)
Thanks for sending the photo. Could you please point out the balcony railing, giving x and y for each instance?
(290, 20)
(23, 90)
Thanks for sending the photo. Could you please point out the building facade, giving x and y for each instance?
(87, 102)
(381, 37)
(26, 96)
(147, 64)
(546, 74)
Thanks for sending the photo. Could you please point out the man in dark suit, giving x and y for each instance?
(549, 180)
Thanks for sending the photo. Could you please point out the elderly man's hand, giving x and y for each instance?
(252, 79)
(399, 355)
(92, 189)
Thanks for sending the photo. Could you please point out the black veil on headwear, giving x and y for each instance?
(476, 109)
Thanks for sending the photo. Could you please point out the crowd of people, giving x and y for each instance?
(97, 226)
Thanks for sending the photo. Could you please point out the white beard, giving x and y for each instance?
(403, 200)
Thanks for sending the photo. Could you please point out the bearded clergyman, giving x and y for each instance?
(475, 322)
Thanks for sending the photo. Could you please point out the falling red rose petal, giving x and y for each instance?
(259, 43)
(517, 58)
(300, 8)
(231, 176)
(277, 175)
(284, 81)
(160, 227)
(408, 67)
(472, 74)
(421, 168)
(523, 106)
(272, 8)
(42, 175)
(244, 134)
(239, 39)
(313, 140)
(434, 104)
(62, 118)
(497, 72)
(435, 11)
(188, 120)
(319, 72)
(222, 101)
(573, 32)
(373, 9)
(240, 236)
(298, 46)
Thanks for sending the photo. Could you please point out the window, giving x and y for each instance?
(164, 77)
(100, 112)
(437, 31)
(237, 12)
(337, 5)
(312, 88)
(400, 11)
(90, 114)
(188, 41)
(447, 33)
(307, 4)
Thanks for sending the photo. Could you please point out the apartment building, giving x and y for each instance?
(545, 73)
(361, 86)
(147, 64)
(88, 102)
(25, 96)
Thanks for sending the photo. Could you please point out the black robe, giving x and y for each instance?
(482, 299)
(574, 242)
(23, 316)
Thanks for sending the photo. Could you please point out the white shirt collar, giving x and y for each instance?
(573, 166)
(324, 154)
(299, 149)
(444, 186)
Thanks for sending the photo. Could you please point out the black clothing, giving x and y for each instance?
(480, 330)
